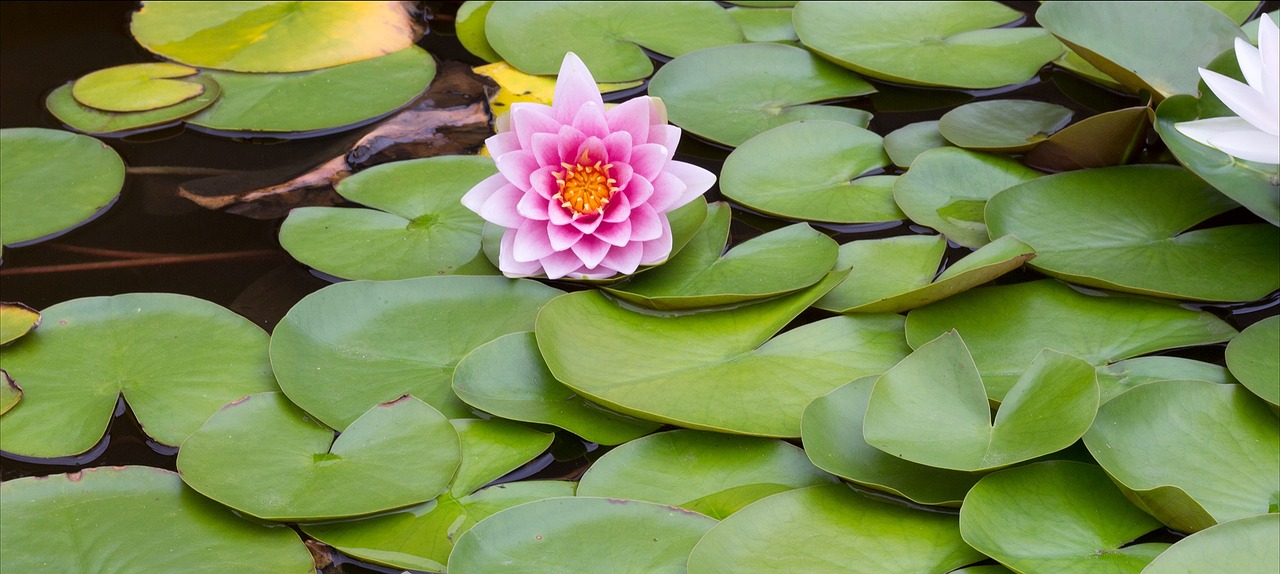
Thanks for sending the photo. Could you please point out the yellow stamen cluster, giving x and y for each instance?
(585, 187)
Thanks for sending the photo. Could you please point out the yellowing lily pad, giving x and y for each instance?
(16, 320)
(51, 181)
(516, 86)
(82, 118)
(1009, 126)
(10, 393)
(137, 87)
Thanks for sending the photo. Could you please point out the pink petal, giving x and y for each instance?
(533, 206)
(648, 160)
(667, 192)
(570, 140)
(618, 233)
(528, 119)
(638, 190)
(574, 88)
(617, 146)
(587, 223)
(531, 242)
(667, 136)
(619, 209)
(659, 249)
(624, 259)
(646, 225)
(545, 149)
(697, 180)
(594, 148)
(481, 192)
(558, 214)
(543, 181)
(509, 266)
(561, 263)
(590, 120)
(631, 116)
(563, 236)
(504, 142)
(590, 250)
(517, 166)
(500, 208)
(621, 173)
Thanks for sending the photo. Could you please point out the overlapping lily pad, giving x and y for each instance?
(85, 119)
(176, 360)
(350, 346)
(761, 24)
(1250, 545)
(140, 520)
(1008, 126)
(955, 44)
(1107, 139)
(1125, 228)
(469, 25)
(608, 36)
(731, 93)
(1118, 377)
(1254, 358)
(16, 320)
(10, 393)
(947, 189)
(1057, 516)
(51, 181)
(137, 87)
(1155, 442)
(906, 143)
(832, 529)
(712, 473)
(810, 170)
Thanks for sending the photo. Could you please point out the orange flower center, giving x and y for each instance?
(585, 187)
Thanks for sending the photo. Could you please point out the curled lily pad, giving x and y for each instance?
(10, 393)
(1107, 139)
(176, 360)
(731, 93)
(1250, 545)
(906, 143)
(266, 457)
(1253, 359)
(1009, 126)
(1057, 516)
(137, 87)
(16, 320)
(1124, 228)
(957, 44)
(85, 119)
(947, 189)
(273, 36)
(144, 518)
(51, 181)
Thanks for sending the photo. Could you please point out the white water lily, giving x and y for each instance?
(1254, 133)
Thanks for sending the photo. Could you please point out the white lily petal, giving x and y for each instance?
(1235, 137)
(1250, 63)
(1269, 52)
(1246, 102)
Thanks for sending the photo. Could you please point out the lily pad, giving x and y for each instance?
(273, 36)
(765, 24)
(332, 98)
(610, 37)
(898, 273)
(1009, 126)
(176, 360)
(85, 119)
(1253, 358)
(832, 528)
(1072, 62)
(1250, 545)
(1124, 228)
(713, 370)
(1155, 443)
(1121, 376)
(732, 93)
(508, 378)
(810, 170)
(10, 393)
(1107, 139)
(567, 535)
(16, 320)
(417, 226)
(947, 189)
(52, 181)
(350, 346)
(781, 261)
(469, 25)
(137, 87)
(1004, 327)
(1057, 516)
(265, 457)
(516, 86)
(954, 44)
(906, 143)
(712, 473)
(141, 519)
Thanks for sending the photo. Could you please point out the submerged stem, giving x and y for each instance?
(141, 262)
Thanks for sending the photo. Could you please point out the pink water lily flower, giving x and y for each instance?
(583, 191)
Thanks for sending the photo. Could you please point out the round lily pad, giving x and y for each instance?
(567, 535)
(906, 143)
(16, 320)
(956, 44)
(1250, 545)
(350, 346)
(141, 520)
(731, 93)
(176, 360)
(273, 36)
(85, 119)
(832, 528)
(1253, 358)
(469, 25)
(137, 87)
(1009, 126)
(1124, 228)
(422, 227)
(1057, 516)
(609, 36)
(947, 189)
(265, 457)
(51, 181)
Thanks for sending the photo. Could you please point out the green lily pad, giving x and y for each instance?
(712, 473)
(896, 274)
(1121, 376)
(832, 528)
(1072, 62)
(469, 25)
(955, 44)
(508, 378)
(1124, 228)
(1009, 126)
(52, 181)
(1155, 443)
(490, 449)
(1238, 11)
(339, 97)
(1107, 139)
(88, 120)
(1250, 545)
(765, 24)
(1057, 516)
(273, 36)
(266, 457)
(832, 434)
(1153, 47)
(713, 370)
(732, 93)
(140, 520)
(176, 360)
(1005, 327)
(809, 170)
(781, 261)
(1253, 358)
(608, 36)
(1250, 28)
(417, 227)
(350, 346)
(16, 320)
(906, 143)
(137, 87)
(948, 188)
(568, 534)
(10, 393)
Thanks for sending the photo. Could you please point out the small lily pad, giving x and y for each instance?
(906, 143)
(1107, 139)
(469, 25)
(51, 181)
(16, 320)
(947, 189)
(10, 393)
(1009, 126)
(1250, 545)
(1253, 358)
(137, 87)
(732, 93)
(88, 120)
